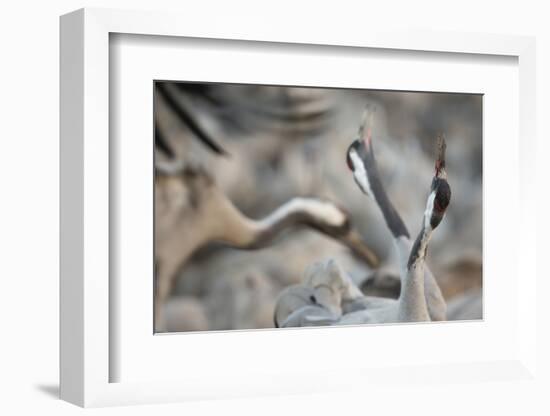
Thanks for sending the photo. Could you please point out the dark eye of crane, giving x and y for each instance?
(312, 299)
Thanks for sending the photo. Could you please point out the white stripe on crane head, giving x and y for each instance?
(323, 211)
(429, 211)
(360, 173)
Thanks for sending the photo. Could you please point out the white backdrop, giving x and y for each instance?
(29, 205)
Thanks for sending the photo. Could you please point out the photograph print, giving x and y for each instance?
(284, 207)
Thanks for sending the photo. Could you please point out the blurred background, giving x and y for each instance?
(260, 146)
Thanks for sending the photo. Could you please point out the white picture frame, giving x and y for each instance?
(87, 302)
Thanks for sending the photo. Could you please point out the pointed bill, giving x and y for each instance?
(367, 124)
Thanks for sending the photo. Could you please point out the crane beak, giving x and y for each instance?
(353, 240)
(441, 147)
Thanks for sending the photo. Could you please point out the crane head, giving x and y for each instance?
(356, 156)
(440, 195)
(360, 156)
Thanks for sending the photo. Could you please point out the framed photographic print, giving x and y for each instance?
(244, 213)
(287, 146)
